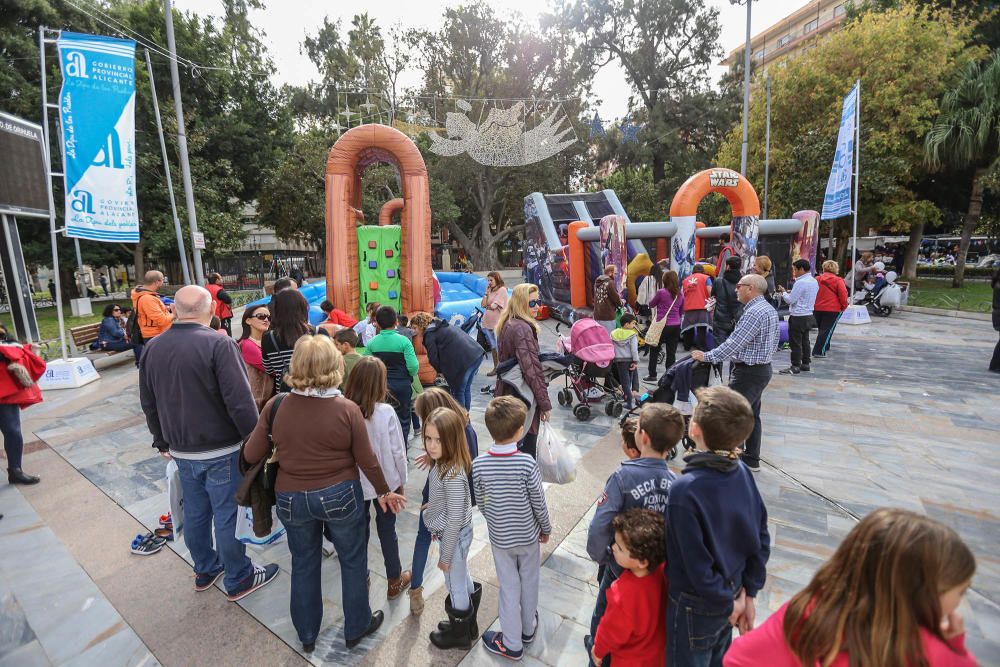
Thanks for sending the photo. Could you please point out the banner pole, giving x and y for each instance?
(767, 147)
(857, 181)
(166, 170)
(52, 204)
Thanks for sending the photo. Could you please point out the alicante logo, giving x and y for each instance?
(723, 178)
(76, 65)
(82, 202)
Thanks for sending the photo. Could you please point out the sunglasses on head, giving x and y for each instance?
(534, 303)
(262, 318)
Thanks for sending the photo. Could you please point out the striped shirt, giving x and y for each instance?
(509, 493)
(277, 355)
(755, 338)
(449, 509)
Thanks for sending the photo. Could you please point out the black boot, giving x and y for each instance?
(477, 597)
(458, 634)
(18, 476)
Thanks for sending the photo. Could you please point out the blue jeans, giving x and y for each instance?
(338, 512)
(695, 638)
(457, 578)
(463, 392)
(421, 546)
(13, 441)
(402, 393)
(209, 498)
(385, 524)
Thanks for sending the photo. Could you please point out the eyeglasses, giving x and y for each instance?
(262, 318)
(739, 285)
(116, 310)
(534, 303)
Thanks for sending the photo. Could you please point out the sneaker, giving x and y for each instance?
(488, 389)
(650, 378)
(416, 430)
(791, 370)
(493, 641)
(817, 355)
(804, 368)
(259, 577)
(527, 639)
(753, 468)
(202, 582)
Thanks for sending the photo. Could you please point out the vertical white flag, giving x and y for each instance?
(837, 201)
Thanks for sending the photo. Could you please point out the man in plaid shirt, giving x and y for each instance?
(750, 347)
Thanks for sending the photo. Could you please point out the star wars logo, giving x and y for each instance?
(723, 178)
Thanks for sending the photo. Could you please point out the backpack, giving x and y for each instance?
(132, 327)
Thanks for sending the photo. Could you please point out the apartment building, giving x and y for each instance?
(794, 34)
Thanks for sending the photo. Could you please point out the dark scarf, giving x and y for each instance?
(721, 460)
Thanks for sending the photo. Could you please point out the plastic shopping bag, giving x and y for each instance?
(244, 528)
(554, 460)
(176, 495)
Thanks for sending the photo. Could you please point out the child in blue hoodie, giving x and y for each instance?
(717, 538)
(641, 481)
(626, 340)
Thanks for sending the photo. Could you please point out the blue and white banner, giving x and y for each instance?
(837, 201)
(97, 110)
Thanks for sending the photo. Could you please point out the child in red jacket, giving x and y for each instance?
(632, 629)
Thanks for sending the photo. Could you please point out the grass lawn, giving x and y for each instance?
(48, 323)
(976, 295)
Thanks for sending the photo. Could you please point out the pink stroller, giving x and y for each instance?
(591, 354)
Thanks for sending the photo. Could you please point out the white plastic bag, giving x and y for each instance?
(175, 494)
(554, 460)
(892, 295)
(244, 528)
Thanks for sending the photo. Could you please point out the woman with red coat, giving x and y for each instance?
(831, 301)
(222, 301)
(18, 390)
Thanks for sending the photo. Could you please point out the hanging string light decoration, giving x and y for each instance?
(630, 131)
(501, 140)
(597, 127)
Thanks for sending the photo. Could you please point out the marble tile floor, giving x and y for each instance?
(887, 419)
(51, 612)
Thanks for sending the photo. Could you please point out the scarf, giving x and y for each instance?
(325, 392)
(722, 460)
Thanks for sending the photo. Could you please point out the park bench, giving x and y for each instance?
(83, 336)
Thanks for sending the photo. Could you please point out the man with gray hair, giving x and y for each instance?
(750, 347)
(195, 394)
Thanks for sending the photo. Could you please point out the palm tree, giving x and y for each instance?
(966, 134)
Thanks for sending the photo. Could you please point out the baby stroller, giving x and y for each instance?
(590, 355)
(881, 297)
(677, 384)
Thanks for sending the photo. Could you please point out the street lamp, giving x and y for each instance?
(746, 91)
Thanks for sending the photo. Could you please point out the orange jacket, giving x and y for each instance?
(153, 316)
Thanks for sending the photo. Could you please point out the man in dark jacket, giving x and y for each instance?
(455, 355)
(194, 390)
(727, 305)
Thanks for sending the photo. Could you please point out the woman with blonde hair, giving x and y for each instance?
(517, 338)
(321, 442)
(762, 267)
(494, 301)
(831, 301)
(888, 597)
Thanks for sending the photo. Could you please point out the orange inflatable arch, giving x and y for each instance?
(355, 151)
(728, 183)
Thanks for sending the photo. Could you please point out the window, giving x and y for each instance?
(784, 40)
(839, 11)
(759, 55)
(809, 27)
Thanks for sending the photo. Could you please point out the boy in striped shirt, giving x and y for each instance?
(508, 489)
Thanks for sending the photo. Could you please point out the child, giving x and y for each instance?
(509, 492)
(426, 403)
(448, 514)
(626, 340)
(642, 481)
(632, 632)
(891, 590)
(401, 326)
(346, 341)
(717, 539)
(400, 362)
(337, 316)
(366, 327)
(367, 387)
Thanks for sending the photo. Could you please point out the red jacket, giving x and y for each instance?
(766, 646)
(222, 309)
(632, 629)
(696, 291)
(832, 295)
(337, 316)
(11, 391)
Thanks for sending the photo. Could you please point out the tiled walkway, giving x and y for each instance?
(902, 413)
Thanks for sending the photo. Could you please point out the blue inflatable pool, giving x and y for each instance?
(461, 294)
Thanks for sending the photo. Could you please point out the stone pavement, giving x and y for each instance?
(897, 415)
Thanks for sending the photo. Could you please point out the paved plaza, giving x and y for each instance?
(902, 413)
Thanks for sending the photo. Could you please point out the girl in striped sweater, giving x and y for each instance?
(448, 515)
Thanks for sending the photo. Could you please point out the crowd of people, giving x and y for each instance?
(681, 558)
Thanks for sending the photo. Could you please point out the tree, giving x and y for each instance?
(897, 109)
(967, 134)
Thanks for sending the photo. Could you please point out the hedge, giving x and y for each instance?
(946, 271)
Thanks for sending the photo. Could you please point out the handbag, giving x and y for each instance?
(264, 473)
(655, 330)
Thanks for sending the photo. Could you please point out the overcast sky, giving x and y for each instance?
(286, 23)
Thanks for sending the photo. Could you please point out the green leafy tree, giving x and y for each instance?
(967, 134)
(897, 109)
